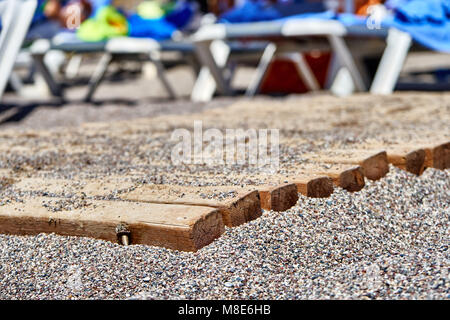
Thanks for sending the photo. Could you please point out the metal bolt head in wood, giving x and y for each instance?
(123, 234)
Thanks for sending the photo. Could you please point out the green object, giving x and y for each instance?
(108, 23)
(150, 10)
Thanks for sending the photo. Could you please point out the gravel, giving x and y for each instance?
(388, 241)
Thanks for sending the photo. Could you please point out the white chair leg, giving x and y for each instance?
(346, 60)
(98, 75)
(305, 71)
(39, 52)
(73, 67)
(333, 69)
(391, 64)
(339, 78)
(42, 68)
(17, 18)
(258, 78)
(214, 57)
(343, 84)
(204, 87)
(154, 56)
(15, 82)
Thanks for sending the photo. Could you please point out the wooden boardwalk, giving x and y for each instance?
(109, 180)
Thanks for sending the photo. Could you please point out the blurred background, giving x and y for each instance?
(88, 56)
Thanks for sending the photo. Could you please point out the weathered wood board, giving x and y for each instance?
(237, 204)
(347, 176)
(178, 227)
(374, 164)
(416, 156)
(328, 142)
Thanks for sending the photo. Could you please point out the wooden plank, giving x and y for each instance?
(279, 198)
(406, 159)
(438, 156)
(107, 187)
(177, 227)
(418, 155)
(374, 164)
(309, 185)
(237, 205)
(315, 180)
(347, 176)
(314, 186)
(241, 205)
(350, 178)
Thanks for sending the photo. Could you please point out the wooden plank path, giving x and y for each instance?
(416, 156)
(374, 165)
(237, 204)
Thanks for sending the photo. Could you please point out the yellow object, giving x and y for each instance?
(150, 10)
(108, 23)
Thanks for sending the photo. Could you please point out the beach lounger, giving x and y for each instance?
(391, 44)
(16, 17)
(416, 26)
(123, 48)
(67, 42)
(288, 37)
(111, 50)
(350, 37)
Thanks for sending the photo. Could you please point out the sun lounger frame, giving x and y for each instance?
(393, 45)
(284, 37)
(16, 16)
(111, 50)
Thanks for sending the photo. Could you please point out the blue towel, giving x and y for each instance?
(158, 29)
(428, 22)
(163, 28)
(97, 5)
(422, 12)
(250, 12)
(181, 15)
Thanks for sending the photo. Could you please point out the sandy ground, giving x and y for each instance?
(389, 241)
(113, 101)
(128, 96)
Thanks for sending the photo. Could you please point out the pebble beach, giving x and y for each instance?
(388, 241)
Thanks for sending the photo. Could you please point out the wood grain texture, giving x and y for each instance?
(347, 176)
(374, 164)
(240, 206)
(237, 205)
(280, 198)
(411, 161)
(177, 227)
